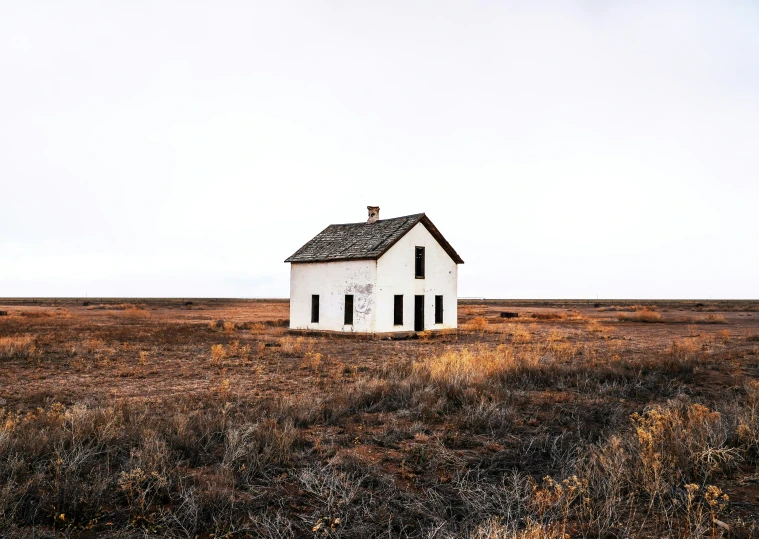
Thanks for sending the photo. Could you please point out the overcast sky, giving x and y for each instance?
(565, 149)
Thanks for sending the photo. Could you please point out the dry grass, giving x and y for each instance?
(60, 313)
(550, 316)
(516, 430)
(134, 311)
(643, 315)
(476, 324)
(19, 346)
(292, 345)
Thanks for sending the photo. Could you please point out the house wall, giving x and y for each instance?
(332, 281)
(395, 275)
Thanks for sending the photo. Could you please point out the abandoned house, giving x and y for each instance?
(381, 276)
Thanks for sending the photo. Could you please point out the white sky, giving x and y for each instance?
(565, 149)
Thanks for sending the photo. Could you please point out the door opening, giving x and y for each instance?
(418, 313)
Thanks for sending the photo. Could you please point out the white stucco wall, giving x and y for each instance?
(332, 281)
(395, 275)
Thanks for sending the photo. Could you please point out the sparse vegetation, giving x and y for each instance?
(515, 430)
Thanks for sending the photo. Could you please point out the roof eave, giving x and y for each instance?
(447, 247)
(344, 259)
(420, 218)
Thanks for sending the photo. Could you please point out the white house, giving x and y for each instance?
(382, 276)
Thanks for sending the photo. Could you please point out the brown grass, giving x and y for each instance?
(61, 313)
(530, 430)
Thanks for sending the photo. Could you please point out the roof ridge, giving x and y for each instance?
(365, 241)
(380, 220)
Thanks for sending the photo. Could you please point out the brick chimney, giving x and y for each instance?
(373, 213)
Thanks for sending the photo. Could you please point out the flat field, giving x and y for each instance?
(206, 418)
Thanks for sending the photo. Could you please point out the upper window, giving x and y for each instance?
(419, 263)
(348, 310)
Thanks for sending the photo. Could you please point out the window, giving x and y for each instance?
(419, 265)
(398, 311)
(438, 309)
(315, 309)
(348, 310)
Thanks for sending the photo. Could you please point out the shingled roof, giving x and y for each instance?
(365, 241)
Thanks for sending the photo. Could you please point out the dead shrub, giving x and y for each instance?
(677, 444)
(252, 449)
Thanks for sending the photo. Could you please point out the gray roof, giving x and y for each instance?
(365, 241)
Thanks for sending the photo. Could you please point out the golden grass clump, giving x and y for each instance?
(465, 366)
(143, 358)
(478, 324)
(234, 350)
(521, 334)
(129, 310)
(472, 366)
(18, 347)
(291, 345)
(258, 327)
(595, 326)
(641, 315)
(218, 353)
(312, 360)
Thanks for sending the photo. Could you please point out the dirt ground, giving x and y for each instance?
(177, 340)
(150, 352)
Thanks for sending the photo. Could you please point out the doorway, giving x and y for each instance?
(418, 313)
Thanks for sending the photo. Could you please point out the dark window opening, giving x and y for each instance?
(398, 311)
(315, 309)
(348, 310)
(438, 309)
(419, 263)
